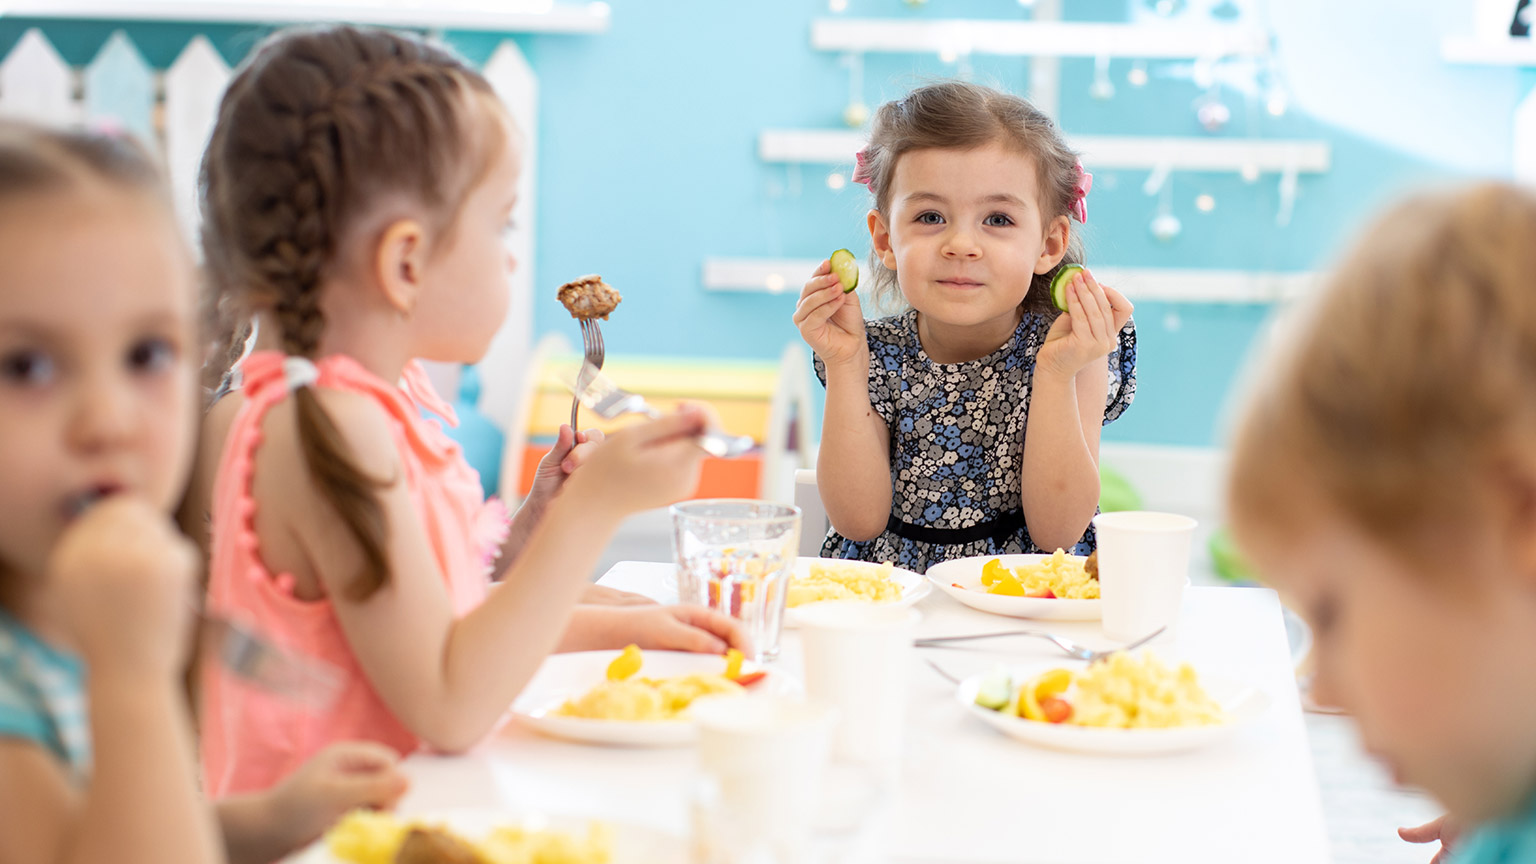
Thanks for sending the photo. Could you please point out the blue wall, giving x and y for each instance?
(649, 134)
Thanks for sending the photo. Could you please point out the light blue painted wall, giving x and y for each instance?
(648, 148)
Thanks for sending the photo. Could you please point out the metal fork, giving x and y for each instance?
(262, 664)
(593, 353)
(608, 400)
(1072, 649)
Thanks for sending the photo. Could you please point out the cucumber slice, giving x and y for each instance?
(847, 269)
(1059, 284)
(995, 691)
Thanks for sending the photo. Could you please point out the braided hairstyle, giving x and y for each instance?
(314, 131)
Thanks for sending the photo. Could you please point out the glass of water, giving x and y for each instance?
(735, 555)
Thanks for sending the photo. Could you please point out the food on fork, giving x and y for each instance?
(626, 698)
(1122, 691)
(842, 580)
(846, 268)
(589, 297)
(1059, 576)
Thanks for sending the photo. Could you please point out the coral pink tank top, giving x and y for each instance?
(251, 739)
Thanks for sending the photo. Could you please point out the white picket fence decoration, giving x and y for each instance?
(118, 89)
(36, 83)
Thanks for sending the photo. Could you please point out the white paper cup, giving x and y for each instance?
(857, 659)
(1143, 565)
(761, 765)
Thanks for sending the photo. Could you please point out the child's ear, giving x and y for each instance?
(399, 261)
(1516, 490)
(880, 239)
(1057, 234)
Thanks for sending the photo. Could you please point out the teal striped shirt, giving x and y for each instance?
(42, 697)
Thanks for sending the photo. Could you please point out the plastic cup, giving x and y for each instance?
(857, 659)
(735, 555)
(1143, 566)
(761, 767)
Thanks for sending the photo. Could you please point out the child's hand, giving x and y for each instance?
(1445, 829)
(342, 777)
(602, 595)
(569, 452)
(678, 628)
(831, 321)
(647, 465)
(1089, 330)
(123, 581)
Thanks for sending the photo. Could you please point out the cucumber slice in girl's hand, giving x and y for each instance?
(1060, 281)
(846, 267)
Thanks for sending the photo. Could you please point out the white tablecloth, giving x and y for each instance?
(967, 793)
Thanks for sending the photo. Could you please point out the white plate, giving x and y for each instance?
(913, 586)
(632, 844)
(568, 676)
(966, 572)
(1243, 705)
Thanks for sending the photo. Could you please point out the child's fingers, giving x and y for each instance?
(818, 305)
(1121, 305)
(590, 436)
(818, 282)
(361, 756)
(701, 630)
(689, 421)
(1102, 312)
(824, 268)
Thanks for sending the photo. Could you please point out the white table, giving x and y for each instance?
(967, 793)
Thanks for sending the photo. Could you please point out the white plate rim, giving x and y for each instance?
(1039, 608)
(534, 708)
(1244, 703)
(914, 587)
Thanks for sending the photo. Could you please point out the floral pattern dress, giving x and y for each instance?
(957, 441)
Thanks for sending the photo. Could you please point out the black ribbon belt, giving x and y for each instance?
(1002, 526)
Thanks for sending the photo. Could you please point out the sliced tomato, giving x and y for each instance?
(750, 678)
(1043, 593)
(1055, 709)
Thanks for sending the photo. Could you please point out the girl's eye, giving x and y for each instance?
(151, 355)
(27, 368)
(997, 220)
(929, 217)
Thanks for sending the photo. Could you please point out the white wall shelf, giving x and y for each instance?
(1473, 51)
(788, 275)
(1037, 38)
(490, 15)
(1100, 152)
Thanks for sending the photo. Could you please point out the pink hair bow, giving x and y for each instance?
(861, 173)
(1080, 194)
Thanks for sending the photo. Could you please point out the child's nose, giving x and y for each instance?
(961, 243)
(104, 413)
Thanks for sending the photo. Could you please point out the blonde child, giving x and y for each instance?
(1384, 481)
(969, 424)
(356, 192)
(97, 425)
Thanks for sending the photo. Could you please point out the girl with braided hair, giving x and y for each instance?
(355, 192)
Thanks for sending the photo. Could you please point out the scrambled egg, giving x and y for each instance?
(646, 699)
(843, 581)
(365, 837)
(1060, 575)
(1125, 692)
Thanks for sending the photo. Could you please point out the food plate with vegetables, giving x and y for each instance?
(1128, 704)
(487, 836)
(632, 698)
(1056, 587)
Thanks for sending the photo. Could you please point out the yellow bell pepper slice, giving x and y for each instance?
(626, 664)
(1052, 683)
(733, 660)
(992, 571)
